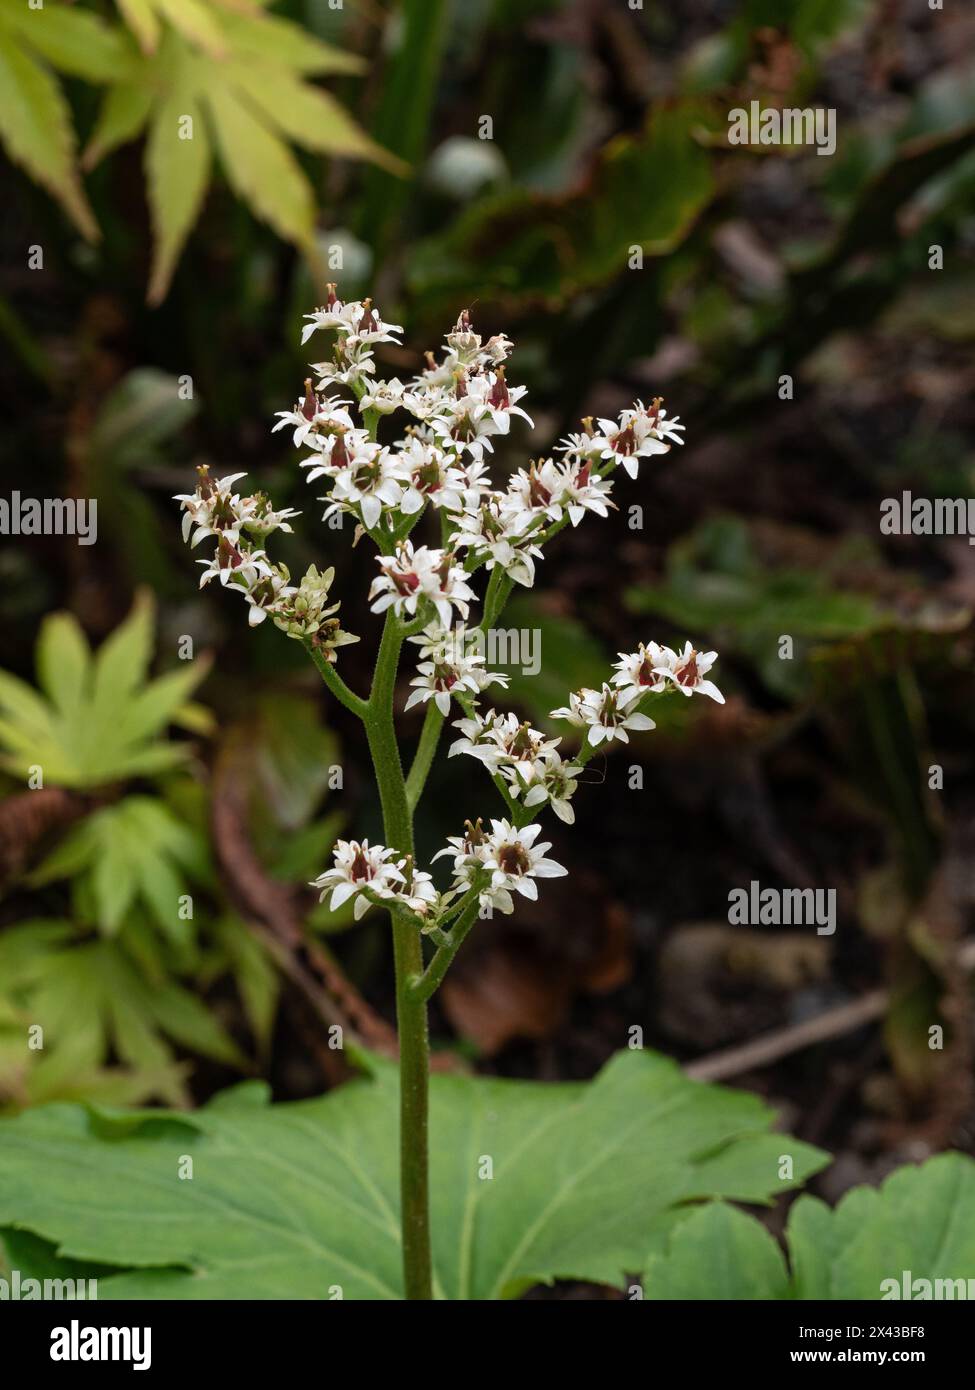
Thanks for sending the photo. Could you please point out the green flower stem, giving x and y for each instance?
(423, 758)
(370, 418)
(496, 597)
(411, 1009)
(489, 595)
(511, 804)
(408, 523)
(432, 977)
(334, 681)
(419, 622)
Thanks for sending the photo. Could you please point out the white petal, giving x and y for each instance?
(639, 721)
(548, 868)
(341, 894)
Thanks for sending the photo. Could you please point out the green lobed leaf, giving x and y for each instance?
(260, 168)
(177, 164)
(125, 110)
(23, 704)
(142, 19)
(119, 670)
(306, 114)
(717, 1252)
(277, 40)
(290, 1200)
(100, 721)
(920, 1222)
(196, 22)
(63, 661)
(93, 1003)
(36, 129)
(131, 850)
(249, 66)
(71, 39)
(922, 1219)
(159, 703)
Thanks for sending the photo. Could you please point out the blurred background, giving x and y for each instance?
(562, 169)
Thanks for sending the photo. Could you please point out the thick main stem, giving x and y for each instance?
(411, 1010)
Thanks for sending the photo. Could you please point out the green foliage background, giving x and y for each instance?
(151, 289)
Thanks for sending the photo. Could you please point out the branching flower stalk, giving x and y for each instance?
(458, 404)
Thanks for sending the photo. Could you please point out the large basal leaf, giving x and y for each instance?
(921, 1220)
(717, 1252)
(919, 1226)
(529, 1182)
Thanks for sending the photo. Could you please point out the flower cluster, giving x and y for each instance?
(459, 404)
(239, 525)
(368, 873)
(411, 576)
(608, 713)
(439, 428)
(504, 862)
(652, 668)
(449, 666)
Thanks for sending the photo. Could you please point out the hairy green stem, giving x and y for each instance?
(334, 681)
(411, 1010)
(440, 963)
